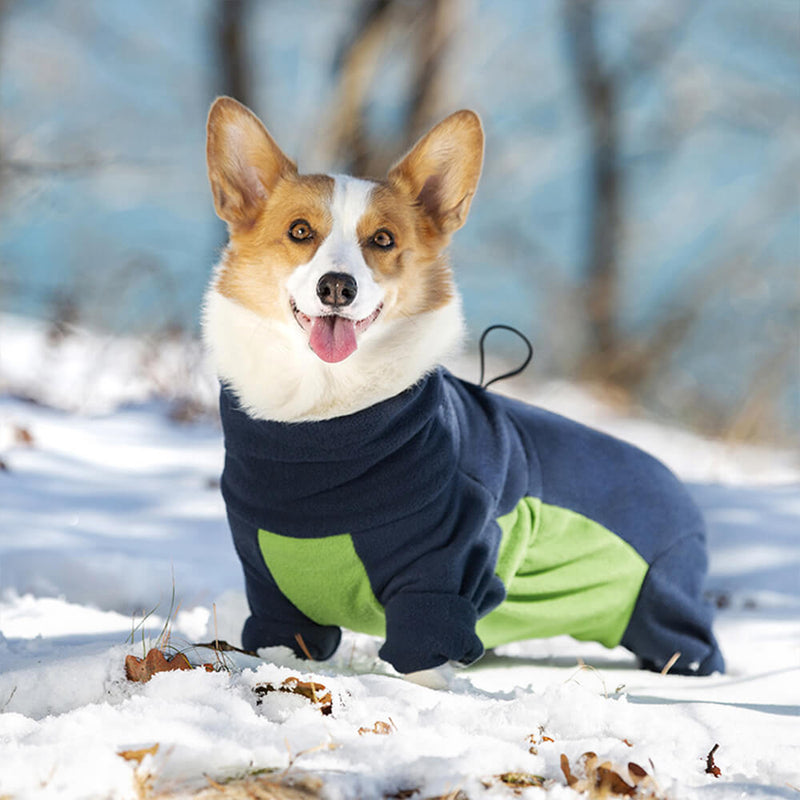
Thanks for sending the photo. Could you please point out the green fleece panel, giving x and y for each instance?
(325, 579)
(589, 595)
(573, 577)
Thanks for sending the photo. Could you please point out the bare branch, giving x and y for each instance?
(234, 64)
(598, 91)
(435, 28)
(655, 41)
(355, 65)
(86, 165)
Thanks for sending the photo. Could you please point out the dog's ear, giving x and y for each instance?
(244, 163)
(442, 169)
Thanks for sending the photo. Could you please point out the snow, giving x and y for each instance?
(112, 532)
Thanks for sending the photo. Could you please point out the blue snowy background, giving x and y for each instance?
(106, 220)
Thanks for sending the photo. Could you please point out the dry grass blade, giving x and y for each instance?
(302, 645)
(671, 663)
(222, 646)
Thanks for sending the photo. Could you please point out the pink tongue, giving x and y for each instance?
(332, 338)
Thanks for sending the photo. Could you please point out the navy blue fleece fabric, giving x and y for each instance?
(419, 482)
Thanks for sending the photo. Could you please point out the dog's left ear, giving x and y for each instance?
(441, 171)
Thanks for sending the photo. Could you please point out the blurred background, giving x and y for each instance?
(637, 217)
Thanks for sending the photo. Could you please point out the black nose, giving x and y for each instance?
(337, 289)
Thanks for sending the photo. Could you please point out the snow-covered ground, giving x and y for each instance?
(111, 523)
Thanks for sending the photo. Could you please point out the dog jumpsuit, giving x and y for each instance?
(449, 519)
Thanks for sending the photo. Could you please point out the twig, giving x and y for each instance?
(711, 767)
(10, 698)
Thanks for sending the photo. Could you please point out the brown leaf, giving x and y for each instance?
(23, 436)
(636, 770)
(381, 728)
(589, 761)
(135, 669)
(138, 755)
(604, 780)
(565, 768)
(315, 692)
(519, 780)
(141, 670)
(611, 781)
(536, 739)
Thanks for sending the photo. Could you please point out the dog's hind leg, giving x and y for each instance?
(671, 615)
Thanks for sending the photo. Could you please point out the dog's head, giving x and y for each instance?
(333, 292)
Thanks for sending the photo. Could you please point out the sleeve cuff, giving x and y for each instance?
(426, 629)
(320, 641)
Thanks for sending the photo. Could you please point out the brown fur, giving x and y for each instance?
(260, 258)
(259, 193)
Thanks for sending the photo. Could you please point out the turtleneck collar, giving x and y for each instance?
(382, 427)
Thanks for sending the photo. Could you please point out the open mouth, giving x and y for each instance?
(333, 337)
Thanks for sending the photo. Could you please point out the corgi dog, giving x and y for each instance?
(366, 487)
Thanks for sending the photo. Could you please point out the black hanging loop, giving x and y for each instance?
(513, 372)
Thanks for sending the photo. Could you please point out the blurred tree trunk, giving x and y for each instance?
(599, 97)
(434, 29)
(356, 64)
(3, 11)
(231, 32)
(610, 355)
(431, 24)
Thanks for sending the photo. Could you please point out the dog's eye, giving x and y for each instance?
(383, 239)
(300, 230)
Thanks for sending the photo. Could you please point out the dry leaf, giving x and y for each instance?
(315, 692)
(23, 436)
(138, 755)
(536, 739)
(565, 768)
(604, 780)
(380, 727)
(519, 780)
(639, 773)
(141, 670)
(610, 781)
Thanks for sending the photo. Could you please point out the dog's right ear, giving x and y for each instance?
(244, 163)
